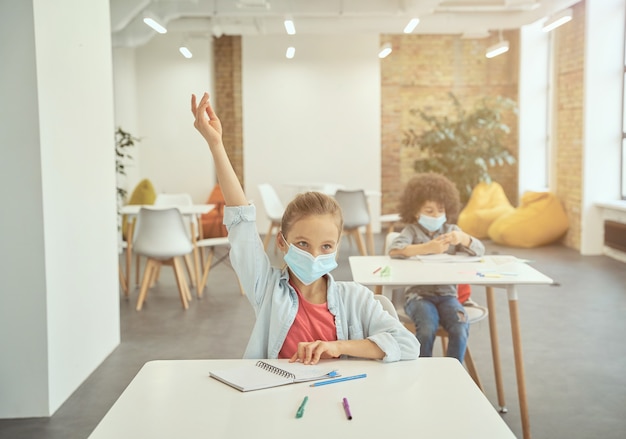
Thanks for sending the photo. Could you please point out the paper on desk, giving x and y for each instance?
(445, 257)
(503, 259)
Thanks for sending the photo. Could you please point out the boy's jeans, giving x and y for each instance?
(428, 312)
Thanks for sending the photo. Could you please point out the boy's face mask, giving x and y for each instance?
(307, 268)
(431, 223)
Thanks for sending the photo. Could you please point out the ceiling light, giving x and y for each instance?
(290, 27)
(291, 51)
(385, 50)
(155, 23)
(185, 52)
(499, 48)
(557, 20)
(410, 27)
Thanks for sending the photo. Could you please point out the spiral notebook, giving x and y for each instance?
(266, 374)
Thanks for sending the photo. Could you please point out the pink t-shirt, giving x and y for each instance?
(313, 322)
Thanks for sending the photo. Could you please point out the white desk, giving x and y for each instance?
(497, 271)
(177, 399)
(132, 210)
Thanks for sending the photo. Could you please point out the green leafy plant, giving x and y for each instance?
(465, 146)
(124, 142)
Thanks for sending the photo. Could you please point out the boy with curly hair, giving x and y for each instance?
(429, 207)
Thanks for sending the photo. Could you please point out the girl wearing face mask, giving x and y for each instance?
(302, 313)
(429, 207)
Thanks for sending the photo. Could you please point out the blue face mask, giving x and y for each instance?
(307, 268)
(431, 223)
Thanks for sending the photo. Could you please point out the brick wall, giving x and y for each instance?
(568, 129)
(227, 65)
(419, 74)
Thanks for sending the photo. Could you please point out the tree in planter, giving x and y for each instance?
(466, 147)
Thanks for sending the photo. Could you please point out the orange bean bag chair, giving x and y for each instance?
(539, 220)
(487, 203)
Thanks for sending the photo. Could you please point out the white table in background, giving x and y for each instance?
(494, 272)
(195, 210)
(178, 399)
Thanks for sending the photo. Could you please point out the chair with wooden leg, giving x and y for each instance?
(356, 214)
(191, 222)
(162, 237)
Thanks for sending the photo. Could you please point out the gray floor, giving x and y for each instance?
(574, 350)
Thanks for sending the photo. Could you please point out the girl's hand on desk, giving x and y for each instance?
(311, 352)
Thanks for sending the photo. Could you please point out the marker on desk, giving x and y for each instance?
(346, 407)
(338, 380)
(300, 411)
(377, 270)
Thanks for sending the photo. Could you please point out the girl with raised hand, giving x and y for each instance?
(302, 313)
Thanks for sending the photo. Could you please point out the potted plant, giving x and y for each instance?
(466, 146)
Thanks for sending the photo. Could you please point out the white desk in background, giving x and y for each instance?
(132, 210)
(178, 399)
(494, 272)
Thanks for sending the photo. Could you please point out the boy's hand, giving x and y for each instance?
(438, 245)
(454, 238)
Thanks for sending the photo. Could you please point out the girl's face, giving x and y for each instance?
(316, 234)
(432, 209)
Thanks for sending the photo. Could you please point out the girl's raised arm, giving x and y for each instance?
(209, 125)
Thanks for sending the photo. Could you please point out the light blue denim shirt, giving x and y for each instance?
(357, 314)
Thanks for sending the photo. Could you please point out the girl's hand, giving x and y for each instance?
(206, 121)
(311, 352)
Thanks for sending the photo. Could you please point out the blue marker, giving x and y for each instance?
(338, 380)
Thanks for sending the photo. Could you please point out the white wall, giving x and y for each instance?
(604, 54)
(60, 296)
(23, 320)
(313, 118)
(173, 154)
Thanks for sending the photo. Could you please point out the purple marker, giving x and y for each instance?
(346, 407)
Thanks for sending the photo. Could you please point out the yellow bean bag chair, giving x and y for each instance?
(143, 193)
(487, 203)
(539, 220)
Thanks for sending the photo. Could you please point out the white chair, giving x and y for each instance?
(356, 214)
(191, 222)
(475, 314)
(331, 188)
(162, 237)
(387, 305)
(210, 244)
(274, 210)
